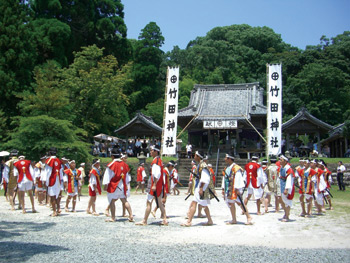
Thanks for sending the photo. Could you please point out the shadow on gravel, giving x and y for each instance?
(11, 251)
(13, 229)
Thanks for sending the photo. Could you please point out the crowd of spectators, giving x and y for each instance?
(133, 149)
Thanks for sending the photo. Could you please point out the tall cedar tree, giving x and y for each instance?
(99, 22)
(17, 54)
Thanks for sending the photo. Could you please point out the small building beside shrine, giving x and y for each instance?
(226, 116)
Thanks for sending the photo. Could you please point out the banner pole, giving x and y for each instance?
(164, 112)
(267, 113)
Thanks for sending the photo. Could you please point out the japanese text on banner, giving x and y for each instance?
(274, 109)
(170, 122)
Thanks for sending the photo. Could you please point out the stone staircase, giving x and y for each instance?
(184, 163)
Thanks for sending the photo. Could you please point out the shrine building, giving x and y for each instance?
(226, 116)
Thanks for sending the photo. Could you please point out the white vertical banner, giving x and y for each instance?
(171, 109)
(274, 109)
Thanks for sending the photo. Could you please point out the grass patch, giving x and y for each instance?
(327, 160)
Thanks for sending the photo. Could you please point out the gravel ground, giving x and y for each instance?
(80, 237)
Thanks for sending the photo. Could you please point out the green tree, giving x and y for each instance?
(52, 40)
(17, 53)
(48, 98)
(35, 135)
(146, 71)
(91, 22)
(95, 84)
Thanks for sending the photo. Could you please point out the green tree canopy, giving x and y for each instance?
(96, 89)
(17, 53)
(36, 135)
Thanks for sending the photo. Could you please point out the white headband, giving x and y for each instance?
(284, 157)
(96, 162)
(229, 156)
(197, 153)
(72, 161)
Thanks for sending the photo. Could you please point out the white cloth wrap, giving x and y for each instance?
(205, 178)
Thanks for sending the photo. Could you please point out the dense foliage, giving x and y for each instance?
(69, 65)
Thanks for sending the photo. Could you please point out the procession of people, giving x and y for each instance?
(51, 176)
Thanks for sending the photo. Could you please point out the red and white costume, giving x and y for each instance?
(70, 177)
(115, 179)
(53, 174)
(320, 185)
(175, 178)
(156, 173)
(166, 180)
(232, 180)
(141, 174)
(254, 178)
(328, 179)
(286, 176)
(94, 180)
(24, 173)
(38, 172)
(203, 172)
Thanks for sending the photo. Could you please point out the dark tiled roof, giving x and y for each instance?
(140, 118)
(303, 114)
(230, 101)
(336, 132)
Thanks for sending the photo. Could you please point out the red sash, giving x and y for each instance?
(98, 184)
(120, 170)
(70, 175)
(159, 186)
(139, 174)
(252, 173)
(55, 164)
(23, 169)
(167, 181)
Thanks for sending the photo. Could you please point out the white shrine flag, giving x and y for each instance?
(170, 110)
(274, 109)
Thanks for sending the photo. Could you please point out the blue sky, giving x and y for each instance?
(299, 22)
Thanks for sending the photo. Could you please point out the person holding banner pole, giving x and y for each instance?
(156, 190)
(286, 175)
(232, 188)
(201, 192)
(254, 179)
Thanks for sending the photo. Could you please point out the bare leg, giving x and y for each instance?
(21, 200)
(329, 202)
(58, 202)
(207, 212)
(127, 206)
(112, 208)
(258, 203)
(162, 209)
(123, 209)
(200, 211)
(11, 194)
(277, 203)
(309, 206)
(233, 214)
(93, 204)
(74, 203)
(249, 218)
(53, 203)
(267, 201)
(107, 210)
(31, 200)
(247, 199)
(302, 203)
(67, 202)
(90, 204)
(191, 213)
(147, 212)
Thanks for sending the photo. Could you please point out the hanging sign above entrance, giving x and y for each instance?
(226, 124)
